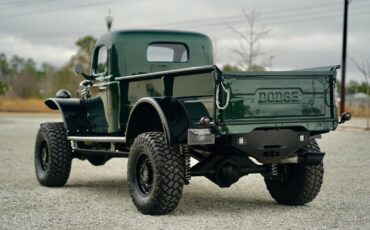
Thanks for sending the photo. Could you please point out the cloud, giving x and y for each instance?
(55, 55)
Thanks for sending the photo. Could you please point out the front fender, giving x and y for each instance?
(73, 113)
(158, 114)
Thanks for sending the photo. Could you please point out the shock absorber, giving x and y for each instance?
(185, 151)
(274, 170)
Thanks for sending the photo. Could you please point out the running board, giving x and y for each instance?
(109, 153)
(98, 139)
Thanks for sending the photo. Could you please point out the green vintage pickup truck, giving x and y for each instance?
(157, 98)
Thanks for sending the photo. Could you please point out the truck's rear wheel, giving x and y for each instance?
(297, 184)
(53, 155)
(155, 174)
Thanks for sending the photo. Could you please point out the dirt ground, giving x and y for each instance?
(98, 197)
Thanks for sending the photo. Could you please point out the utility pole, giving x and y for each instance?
(270, 62)
(109, 20)
(344, 56)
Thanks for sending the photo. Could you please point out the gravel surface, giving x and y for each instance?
(98, 198)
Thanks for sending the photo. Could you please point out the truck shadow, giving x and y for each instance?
(194, 203)
(195, 200)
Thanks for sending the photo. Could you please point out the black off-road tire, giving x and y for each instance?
(165, 170)
(54, 170)
(301, 184)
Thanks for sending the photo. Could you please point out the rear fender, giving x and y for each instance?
(158, 114)
(73, 113)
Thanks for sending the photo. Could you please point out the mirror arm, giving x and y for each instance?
(87, 77)
(79, 70)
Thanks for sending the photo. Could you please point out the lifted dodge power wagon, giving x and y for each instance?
(157, 98)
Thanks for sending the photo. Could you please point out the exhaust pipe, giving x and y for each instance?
(311, 158)
(308, 158)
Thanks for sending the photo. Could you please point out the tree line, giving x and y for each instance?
(21, 77)
(353, 87)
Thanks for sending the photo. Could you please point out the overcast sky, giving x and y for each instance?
(302, 33)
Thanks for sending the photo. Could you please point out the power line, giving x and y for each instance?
(30, 3)
(303, 20)
(14, 2)
(274, 19)
(287, 21)
(65, 36)
(23, 4)
(77, 6)
(277, 19)
(221, 20)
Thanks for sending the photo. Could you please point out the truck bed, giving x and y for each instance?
(258, 100)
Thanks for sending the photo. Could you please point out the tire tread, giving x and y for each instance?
(306, 186)
(60, 154)
(170, 166)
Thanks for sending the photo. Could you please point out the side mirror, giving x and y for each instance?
(80, 70)
(345, 117)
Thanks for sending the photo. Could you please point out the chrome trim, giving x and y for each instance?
(98, 139)
(176, 72)
(289, 160)
(200, 137)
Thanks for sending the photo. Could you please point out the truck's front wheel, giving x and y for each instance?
(155, 174)
(53, 155)
(297, 184)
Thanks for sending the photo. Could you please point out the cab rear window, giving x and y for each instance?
(167, 52)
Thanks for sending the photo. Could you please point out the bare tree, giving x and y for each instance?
(364, 67)
(84, 53)
(249, 40)
(216, 50)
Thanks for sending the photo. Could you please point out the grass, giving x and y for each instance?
(23, 105)
(357, 111)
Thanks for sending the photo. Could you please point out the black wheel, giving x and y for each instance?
(155, 174)
(53, 155)
(297, 184)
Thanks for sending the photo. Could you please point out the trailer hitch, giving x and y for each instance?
(346, 116)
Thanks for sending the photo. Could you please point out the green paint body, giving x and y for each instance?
(301, 99)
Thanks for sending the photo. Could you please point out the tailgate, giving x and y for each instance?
(281, 99)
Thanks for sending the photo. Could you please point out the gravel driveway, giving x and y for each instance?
(98, 198)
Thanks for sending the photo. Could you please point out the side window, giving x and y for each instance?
(167, 52)
(101, 61)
